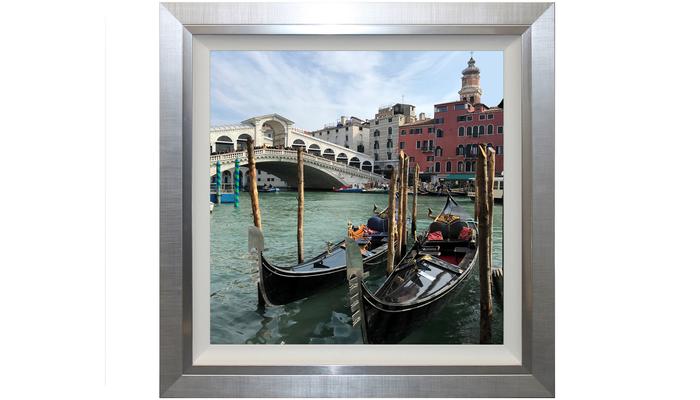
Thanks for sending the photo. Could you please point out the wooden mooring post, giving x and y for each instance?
(404, 201)
(300, 205)
(392, 223)
(414, 212)
(484, 211)
(253, 185)
(401, 183)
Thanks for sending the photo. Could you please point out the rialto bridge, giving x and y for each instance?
(326, 164)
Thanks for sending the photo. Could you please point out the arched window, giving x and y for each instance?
(376, 144)
(460, 150)
(360, 148)
(460, 166)
(448, 166)
(490, 130)
(481, 130)
(389, 131)
(389, 144)
(376, 133)
(439, 133)
(461, 131)
(438, 151)
(437, 167)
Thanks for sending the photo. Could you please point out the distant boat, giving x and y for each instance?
(348, 189)
(270, 189)
(497, 189)
(375, 190)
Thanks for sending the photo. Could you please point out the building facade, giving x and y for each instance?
(445, 147)
(384, 138)
(351, 133)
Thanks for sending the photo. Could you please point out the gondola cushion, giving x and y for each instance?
(377, 224)
(440, 227)
(456, 230)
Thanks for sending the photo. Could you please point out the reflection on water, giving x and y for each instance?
(236, 317)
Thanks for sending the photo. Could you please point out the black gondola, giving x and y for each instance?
(423, 282)
(282, 285)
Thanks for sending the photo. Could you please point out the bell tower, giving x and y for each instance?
(471, 83)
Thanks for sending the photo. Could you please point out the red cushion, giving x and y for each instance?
(465, 233)
(435, 236)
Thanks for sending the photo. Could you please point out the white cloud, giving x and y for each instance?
(315, 88)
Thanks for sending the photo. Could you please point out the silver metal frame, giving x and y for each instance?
(534, 22)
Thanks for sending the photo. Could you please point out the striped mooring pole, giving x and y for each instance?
(236, 182)
(218, 182)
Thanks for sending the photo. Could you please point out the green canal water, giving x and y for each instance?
(236, 317)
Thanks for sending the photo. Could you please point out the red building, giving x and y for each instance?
(445, 146)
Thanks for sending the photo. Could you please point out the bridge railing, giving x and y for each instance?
(292, 156)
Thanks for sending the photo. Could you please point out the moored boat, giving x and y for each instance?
(430, 274)
(348, 189)
(278, 285)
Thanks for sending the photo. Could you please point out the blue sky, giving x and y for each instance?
(313, 88)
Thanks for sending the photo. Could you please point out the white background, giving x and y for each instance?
(79, 258)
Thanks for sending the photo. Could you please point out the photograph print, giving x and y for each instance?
(356, 197)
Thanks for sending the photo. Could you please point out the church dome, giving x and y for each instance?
(471, 67)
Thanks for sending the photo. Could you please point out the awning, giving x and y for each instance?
(459, 177)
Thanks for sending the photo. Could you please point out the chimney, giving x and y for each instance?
(421, 116)
(343, 119)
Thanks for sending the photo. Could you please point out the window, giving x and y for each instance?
(500, 129)
(430, 158)
(460, 150)
(360, 128)
(461, 118)
(402, 145)
(403, 132)
(439, 120)
(346, 138)
(440, 109)
(431, 130)
(448, 166)
(438, 151)
(481, 130)
(411, 159)
(376, 133)
(482, 116)
(376, 156)
(437, 167)
(376, 122)
(419, 130)
(388, 155)
(439, 133)
(389, 131)
(346, 129)
(328, 132)
(469, 118)
(461, 131)
(459, 107)
(418, 144)
(336, 131)
(390, 119)
(360, 148)
(469, 131)
(389, 144)
(430, 144)
(499, 150)
(376, 144)
(460, 166)
(490, 116)
(490, 130)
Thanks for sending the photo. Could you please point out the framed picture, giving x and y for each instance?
(357, 200)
